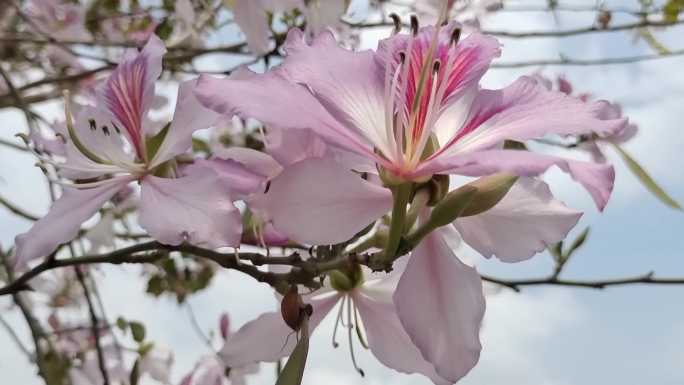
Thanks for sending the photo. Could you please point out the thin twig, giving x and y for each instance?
(588, 62)
(94, 322)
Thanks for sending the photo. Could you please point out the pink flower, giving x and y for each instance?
(415, 107)
(409, 111)
(363, 301)
(114, 144)
(210, 370)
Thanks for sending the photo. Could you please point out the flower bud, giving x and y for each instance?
(490, 191)
(347, 279)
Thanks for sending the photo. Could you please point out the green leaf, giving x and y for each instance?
(293, 372)
(135, 373)
(138, 331)
(579, 241)
(121, 324)
(153, 143)
(672, 9)
(198, 145)
(646, 179)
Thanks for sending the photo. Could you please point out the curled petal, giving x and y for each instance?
(317, 201)
(62, 222)
(440, 303)
(524, 222)
(196, 208)
(597, 179)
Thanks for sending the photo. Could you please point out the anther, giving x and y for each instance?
(455, 36)
(414, 25)
(268, 186)
(92, 124)
(436, 65)
(116, 128)
(397, 23)
(402, 57)
(105, 130)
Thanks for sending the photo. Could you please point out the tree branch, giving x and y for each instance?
(564, 61)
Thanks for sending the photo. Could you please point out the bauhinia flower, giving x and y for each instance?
(415, 108)
(114, 143)
(413, 112)
(364, 307)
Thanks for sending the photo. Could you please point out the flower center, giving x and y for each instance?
(418, 78)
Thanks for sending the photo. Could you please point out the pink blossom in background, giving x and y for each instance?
(110, 144)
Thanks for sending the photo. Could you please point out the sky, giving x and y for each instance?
(541, 336)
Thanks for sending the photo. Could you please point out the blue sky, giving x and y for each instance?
(542, 336)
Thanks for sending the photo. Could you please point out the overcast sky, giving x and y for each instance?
(542, 336)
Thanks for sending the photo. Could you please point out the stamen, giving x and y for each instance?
(359, 333)
(397, 23)
(337, 323)
(414, 25)
(116, 128)
(93, 124)
(351, 340)
(105, 130)
(455, 36)
(402, 57)
(435, 67)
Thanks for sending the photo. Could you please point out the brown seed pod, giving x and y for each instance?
(292, 308)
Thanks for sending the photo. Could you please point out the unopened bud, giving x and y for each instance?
(490, 191)
(452, 206)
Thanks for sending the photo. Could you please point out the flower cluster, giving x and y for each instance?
(354, 163)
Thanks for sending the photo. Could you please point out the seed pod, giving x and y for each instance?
(292, 308)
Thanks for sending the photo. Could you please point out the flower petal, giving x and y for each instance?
(197, 208)
(524, 222)
(267, 338)
(349, 84)
(291, 106)
(387, 338)
(317, 201)
(596, 178)
(440, 303)
(189, 117)
(527, 110)
(251, 17)
(62, 222)
(129, 90)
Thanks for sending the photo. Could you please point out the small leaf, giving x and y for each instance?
(557, 251)
(121, 324)
(153, 143)
(293, 372)
(138, 331)
(135, 373)
(646, 179)
(672, 9)
(579, 241)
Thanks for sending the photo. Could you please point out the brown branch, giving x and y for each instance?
(517, 284)
(94, 322)
(553, 33)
